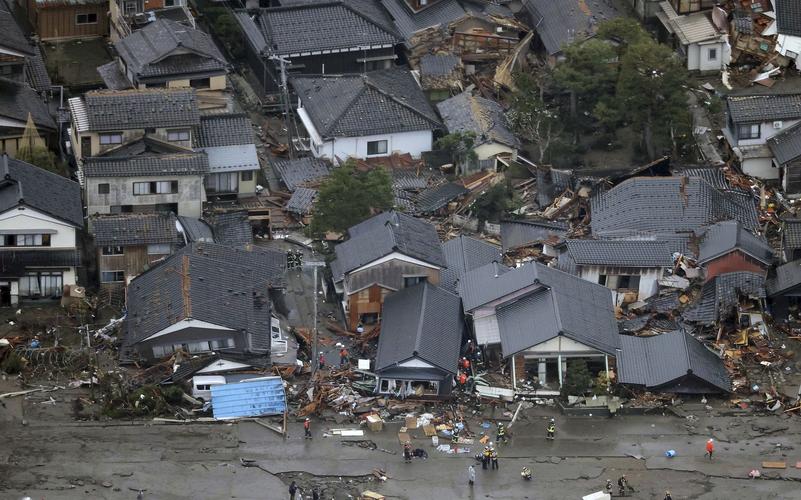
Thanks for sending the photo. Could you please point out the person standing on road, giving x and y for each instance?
(485, 458)
(293, 488)
(501, 434)
(321, 361)
(710, 448)
(471, 475)
(407, 452)
(307, 428)
(343, 357)
(494, 458)
(667, 496)
(551, 429)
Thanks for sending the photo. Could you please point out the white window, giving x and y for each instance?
(141, 188)
(173, 3)
(163, 187)
(162, 249)
(227, 182)
(750, 131)
(219, 344)
(712, 54)
(112, 250)
(377, 147)
(178, 135)
(155, 187)
(41, 284)
(112, 276)
(159, 351)
(111, 138)
(198, 346)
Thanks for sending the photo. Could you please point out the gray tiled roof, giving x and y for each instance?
(232, 229)
(520, 233)
(712, 175)
(788, 17)
(719, 296)
(664, 205)
(559, 22)
(296, 173)
(438, 64)
(13, 37)
(302, 201)
(422, 321)
(217, 130)
(17, 100)
(724, 237)
(14, 263)
(268, 266)
(622, 253)
(485, 118)
(463, 254)
(791, 233)
(137, 109)
(165, 48)
(251, 30)
(36, 71)
(41, 190)
(134, 229)
(196, 229)
(661, 361)
(386, 233)
(786, 278)
(433, 198)
(442, 12)
(309, 27)
(143, 165)
(217, 291)
(786, 146)
(557, 302)
(379, 102)
(113, 77)
(763, 108)
(551, 183)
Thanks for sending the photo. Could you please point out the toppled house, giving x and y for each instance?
(67, 19)
(232, 228)
(727, 246)
(466, 113)
(441, 75)
(790, 246)
(421, 335)
(193, 229)
(128, 15)
(303, 36)
(556, 23)
(364, 116)
(21, 106)
(696, 38)
(539, 317)
(383, 254)
(786, 150)
(435, 200)
(301, 203)
(215, 363)
(228, 142)
(129, 244)
(42, 217)
(784, 290)
(737, 296)
(630, 268)
(301, 172)
(204, 298)
(166, 54)
(673, 362)
(462, 255)
(670, 209)
(788, 31)
(751, 121)
(146, 183)
(541, 235)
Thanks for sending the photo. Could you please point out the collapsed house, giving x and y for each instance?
(421, 335)
(727, 246)
(539, 317)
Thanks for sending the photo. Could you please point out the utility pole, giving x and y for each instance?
(314, 361)
(282, 61)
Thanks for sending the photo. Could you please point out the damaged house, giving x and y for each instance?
(204, 298)
(421, 335)
(727, 246)
(755, 121)
(365, 116)
(41, 218)
(786, 150)
(630, 268)
(695, 36)
(462, 255)
(228, 142)
(539, 317)
(384, 254)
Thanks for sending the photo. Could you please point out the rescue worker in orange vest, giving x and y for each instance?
(462, 378)
(307, 428)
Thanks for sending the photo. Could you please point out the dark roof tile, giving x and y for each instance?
(134, 229)
(763, 108)
(153, 165)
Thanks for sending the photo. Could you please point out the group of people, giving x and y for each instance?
(622, 486)
(489, 457)
(296, 493)
(343, 359)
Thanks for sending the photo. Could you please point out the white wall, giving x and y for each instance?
(698, 56)
(29, 219)
(766, 132)
(649, 278)
(761, 168)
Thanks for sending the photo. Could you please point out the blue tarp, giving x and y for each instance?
(249, 399)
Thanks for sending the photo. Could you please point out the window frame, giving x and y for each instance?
(180, 132)
(115, 273)
(246, 176)
(112, 250)
(104, 188)
(750, 135)
(712, 54)
(88, 16)
(164, 249)
(110, 138)
(385, 151)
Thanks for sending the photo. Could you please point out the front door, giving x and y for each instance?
(5, 295)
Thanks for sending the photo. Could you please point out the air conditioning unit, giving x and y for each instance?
(777, 124)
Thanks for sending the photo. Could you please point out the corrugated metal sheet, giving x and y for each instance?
(232, 158)
(264, 396)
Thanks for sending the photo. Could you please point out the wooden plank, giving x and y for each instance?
(774, 465)
(404, 437)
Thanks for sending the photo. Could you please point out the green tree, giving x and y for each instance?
(459, 146)
(41, 157)
(577, 378)
(349, 196)
(651, 94)
(228, 30)
(588, 73)
(495, 203)
(530, 116)
(623, 32)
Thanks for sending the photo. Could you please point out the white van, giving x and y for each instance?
(202, 384)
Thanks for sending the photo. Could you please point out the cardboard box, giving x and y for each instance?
(404, 437)
(374, 423)
(411, 422)
(429, 430)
